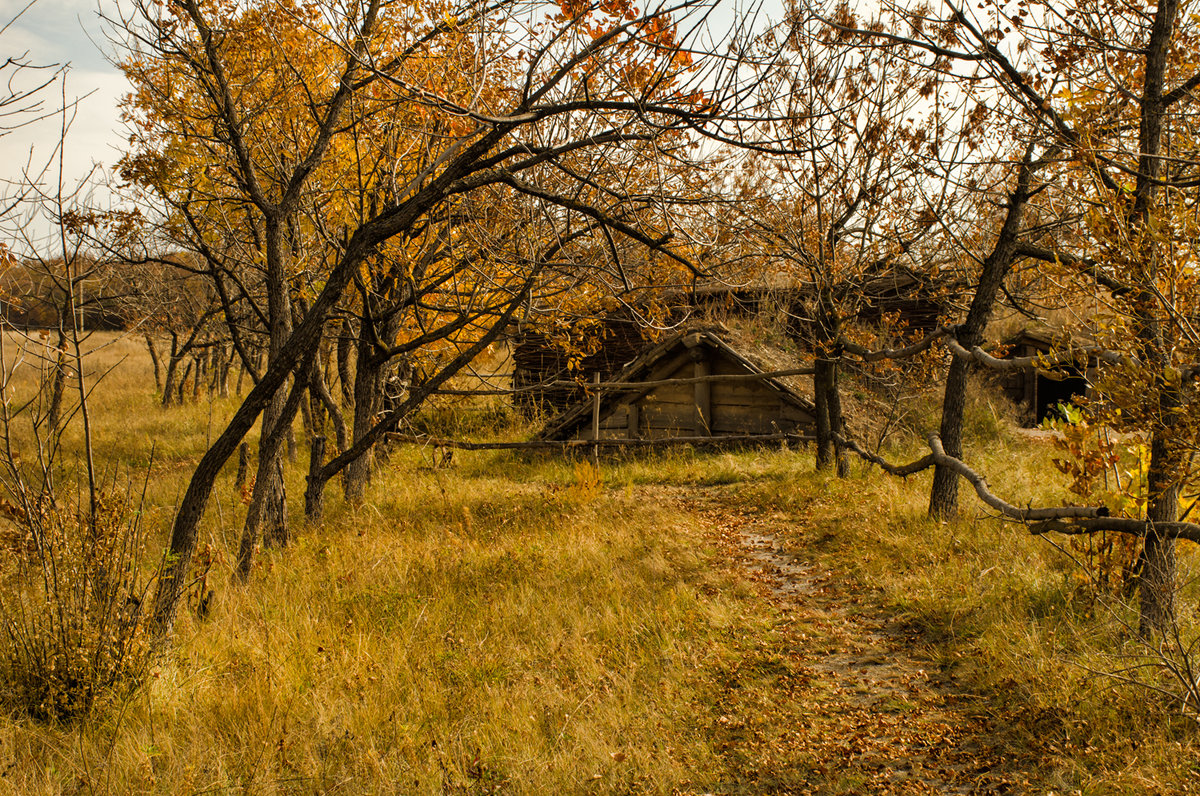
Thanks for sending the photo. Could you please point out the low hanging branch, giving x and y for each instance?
(868, 355)
(1041, 361)
(1062, 519)
(976, 353)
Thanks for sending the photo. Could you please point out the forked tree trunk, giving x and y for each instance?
(314, 493)
(183, 380)
(198, 383)
(266, 517)
(367, 384)
(370, 376)
(168, 395)
(267, 514)
(829, 421)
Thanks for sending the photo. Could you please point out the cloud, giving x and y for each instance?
(55, 31)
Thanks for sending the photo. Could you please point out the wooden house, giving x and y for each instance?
(649, 409)
(1038, 390)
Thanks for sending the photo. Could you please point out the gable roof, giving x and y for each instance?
(654, 358)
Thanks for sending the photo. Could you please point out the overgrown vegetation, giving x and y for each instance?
(354, 204)
(530, 625)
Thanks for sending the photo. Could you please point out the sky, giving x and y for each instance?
(70, 33)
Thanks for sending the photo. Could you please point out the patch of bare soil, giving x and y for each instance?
(870, 710)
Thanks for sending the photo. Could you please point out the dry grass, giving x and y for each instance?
(1011, 620)
(528, 625)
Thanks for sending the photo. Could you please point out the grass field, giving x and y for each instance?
(512, 624)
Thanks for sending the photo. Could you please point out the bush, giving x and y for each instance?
(72, 591)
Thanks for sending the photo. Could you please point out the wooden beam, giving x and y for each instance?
(563, 445)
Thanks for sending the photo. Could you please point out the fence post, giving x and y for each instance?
(596, 419)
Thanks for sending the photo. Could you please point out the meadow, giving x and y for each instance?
(508, 623)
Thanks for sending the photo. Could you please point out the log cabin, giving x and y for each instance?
(646, 408)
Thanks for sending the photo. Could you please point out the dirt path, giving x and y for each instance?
(877, 715)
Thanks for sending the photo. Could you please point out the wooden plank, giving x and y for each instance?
(618, 418)
(702, 394)
(587, 435)
(744, 392)
(653, 432)
(797, 415)
(757, 426)
(679, 394)
(674, 414)
(727, 419)
(652, 405)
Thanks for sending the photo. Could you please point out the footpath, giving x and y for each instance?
(872, 713)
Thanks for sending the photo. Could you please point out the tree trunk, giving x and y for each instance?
(367, 383)
(322, 397)
(267, 513)
(223, 383)
(837, 422)
(821, 376)
(58, 382)
(1156, 586)
(154, 360)
(345, 346)
(217, 362)
(198, 383)
(314, 493)
(943, 496)
(243, 468)
(183, 383)
(291, 444)
(307, 421)
(1157, 583)
(172, 368)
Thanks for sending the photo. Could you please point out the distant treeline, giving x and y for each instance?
(31, 297)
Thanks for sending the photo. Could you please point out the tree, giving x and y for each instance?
(588, 78)
(1111, 89)
(848, 127)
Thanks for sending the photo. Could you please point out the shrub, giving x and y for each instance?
(72, 591)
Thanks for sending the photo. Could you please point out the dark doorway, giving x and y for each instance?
(1052, 392)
